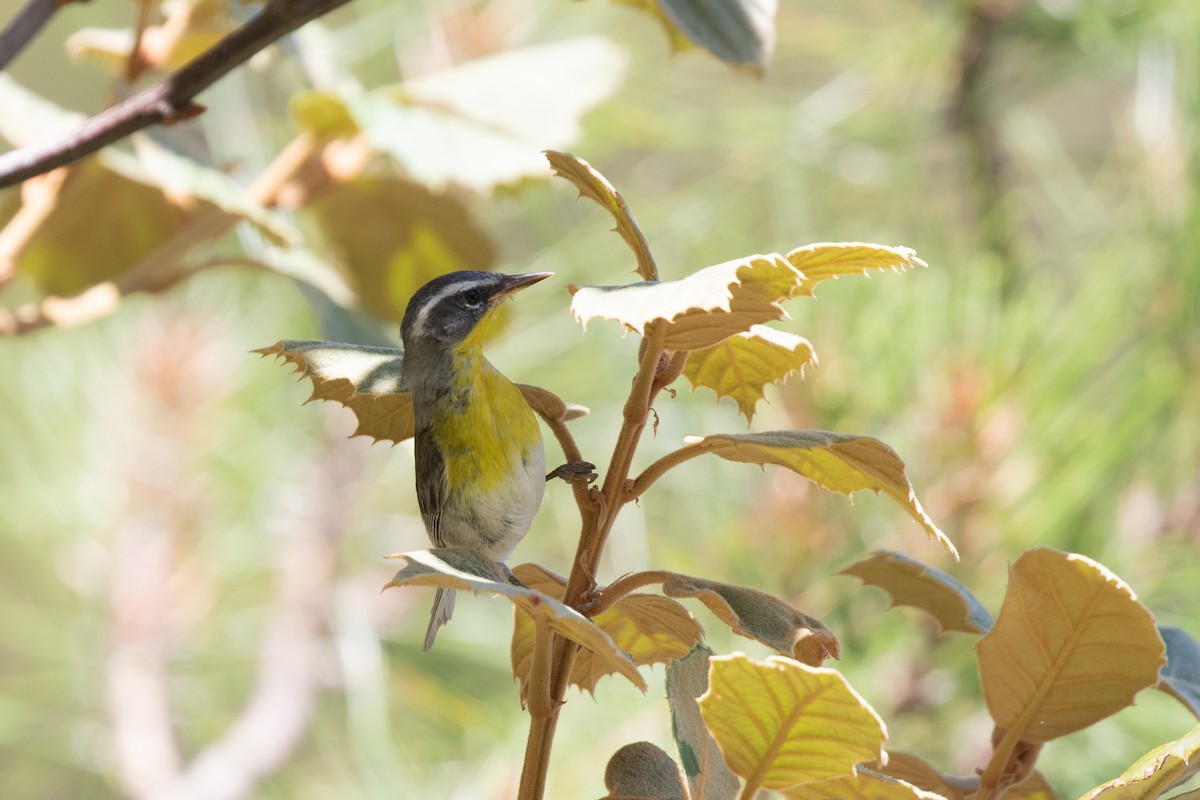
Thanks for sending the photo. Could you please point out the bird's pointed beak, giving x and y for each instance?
(515, 283)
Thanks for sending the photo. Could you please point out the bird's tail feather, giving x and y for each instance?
(443, 609)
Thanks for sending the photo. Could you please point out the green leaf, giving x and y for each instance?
(644, 771)
(742, 365)
(1155, 773)
(912, 583)
(708, 776)
(839, 462)
(700, 310)
(759, 616)
(821, 262)
(1180, 678)
(463, 568)
(1070, 646)
(784, 723)
(594, 186)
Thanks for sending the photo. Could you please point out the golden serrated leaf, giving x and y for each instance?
(463, 568)
(651, 629)
(1150, 776)
(820, 262)
(840, 462)
(742, 365)
(759, 616)
(912, 583)
(786, 723)
(1070, 646)
(594, 186)
(867, 784)
(700, 310)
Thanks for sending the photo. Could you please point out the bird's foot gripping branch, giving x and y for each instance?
(785, 723)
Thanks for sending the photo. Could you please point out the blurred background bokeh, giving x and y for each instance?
(191, 560)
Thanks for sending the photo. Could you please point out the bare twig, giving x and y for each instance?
(24, 26)
(171, 99)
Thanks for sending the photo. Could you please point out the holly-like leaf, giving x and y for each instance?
(742, 365)
(912, 583)
(759, 616)
(642, 771)
(1158, 771)
(594, 186)
(651, 629)
(1070, 646)
(700, 310)
(820, 262)
(839, 462)
(785, 723)
(708, 776)
(1180, 678)
(866, 784)
(463, 568)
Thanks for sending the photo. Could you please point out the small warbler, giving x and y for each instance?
(480, 462)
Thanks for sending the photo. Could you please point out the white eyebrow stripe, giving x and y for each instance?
(418, 327)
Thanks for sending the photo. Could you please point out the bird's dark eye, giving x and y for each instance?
(471, 297)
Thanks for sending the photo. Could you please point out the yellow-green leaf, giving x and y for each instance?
(912, 583)
(820, 262)
(322, 113)
(840, 462)
(867, 784)
(642, 771)
(1070, 646)
(781, 723)
(759, 616)
(700, 310)
(594, 186)
(708, 776)
(1180, 678)
(462, 568)
(742, 365)
(1161, 769)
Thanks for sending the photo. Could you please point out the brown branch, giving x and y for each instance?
(171, 99)
(24, 26)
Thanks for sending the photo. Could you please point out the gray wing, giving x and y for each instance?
(432, 488)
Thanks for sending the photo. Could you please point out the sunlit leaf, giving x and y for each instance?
(840, 462)
(395, 235)
(1070, 646)
(708, 776)
(912, 583)
(190, 28)
(322, 113)
(820, 262)
(787, 723)
(917, 772)
(462, 568)
(867, 784)
(594, 186)
(26, 117)
(742, 365)
(1035, 787)
(642, 771)
(1158, 771)
(1180, 678)
(700, 310)
(651, 629)
(759, 616)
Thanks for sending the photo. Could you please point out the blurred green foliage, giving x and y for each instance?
(1040, 380)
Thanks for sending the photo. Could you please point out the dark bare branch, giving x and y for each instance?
(24, 26)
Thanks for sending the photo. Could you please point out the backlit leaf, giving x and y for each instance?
(322, 113)
(1070, 646)
(594, 186)
(742, 365)
(867, 784)
(786, 723)
(1180, 678)
(840, 462)
(1161, 769)
(651, 629)
(820, 262)
(463, 568)
(911, 583)
(917, 772)
(643, 771)
(700, 310)
(708, 776)
(759, 616)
